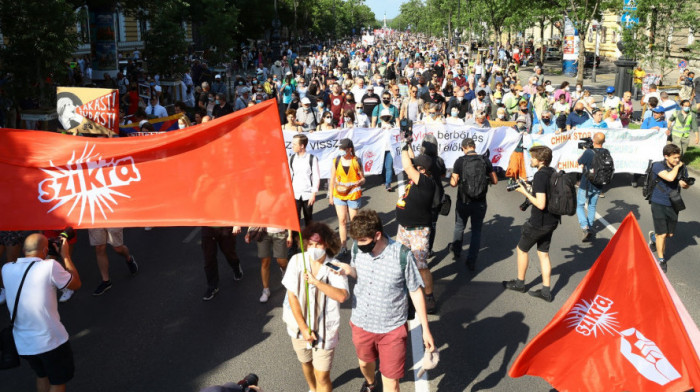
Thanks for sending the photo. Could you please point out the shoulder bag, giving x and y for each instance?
(9, 358)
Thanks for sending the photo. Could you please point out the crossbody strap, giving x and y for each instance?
(19, 291)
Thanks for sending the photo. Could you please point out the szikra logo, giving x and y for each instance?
(89, 182)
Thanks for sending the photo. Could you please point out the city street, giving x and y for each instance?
(153, 332)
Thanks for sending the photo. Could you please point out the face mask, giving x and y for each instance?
(328, 120)
(320, 104)
(501, 116)
(217, 102)
(520, 93)
(386, 101)
(181, 126)
(578, 88)
(686, 109)
(521, 127)
(524, 110)
(579, 111)
(433, 115)
(454, 113)
(368, 247)
(258, 100)
(341, 153)
(546, 121)
(566, 88)
(613, 116)
(315, 253)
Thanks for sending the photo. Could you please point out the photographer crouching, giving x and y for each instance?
(539, 228)
(39, 336)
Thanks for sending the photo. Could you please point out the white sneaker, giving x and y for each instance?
(2, 296)
(67, 294)
(265, 295)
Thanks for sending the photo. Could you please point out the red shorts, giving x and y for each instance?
(389, 347)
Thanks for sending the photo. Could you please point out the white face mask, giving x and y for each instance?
(578, 88)
(328, 120)
(454, 113)
(315, 253)
(181, 125)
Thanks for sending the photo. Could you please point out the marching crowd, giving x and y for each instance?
(398, 82)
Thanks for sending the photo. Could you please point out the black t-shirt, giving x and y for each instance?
(369, 102)
(459, 167)
(540, 184)
(415, 207)
(219, 111)
(437, 98)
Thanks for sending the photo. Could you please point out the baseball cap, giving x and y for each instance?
(370, 87)
(658, 109)
(385, 112)
(305, 101)
(610, 90)
(423, 161)
(549, 88)
(217, 76)
(159, 89)
(430, 361)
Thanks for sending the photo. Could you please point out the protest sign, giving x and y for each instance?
(88, 110)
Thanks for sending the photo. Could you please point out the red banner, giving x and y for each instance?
(621, 330)
(229, 171)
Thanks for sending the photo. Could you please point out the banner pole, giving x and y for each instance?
(306, 284)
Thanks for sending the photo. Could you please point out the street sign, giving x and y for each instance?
(682, 64)
(630, 5)
(627, 20)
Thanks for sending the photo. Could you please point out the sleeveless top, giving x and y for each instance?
(347, 180)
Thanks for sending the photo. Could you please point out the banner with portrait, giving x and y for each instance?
(83, 110)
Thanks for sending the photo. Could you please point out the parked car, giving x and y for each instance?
(552, 54)
(589, 60)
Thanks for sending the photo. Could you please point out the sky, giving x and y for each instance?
(391, 7)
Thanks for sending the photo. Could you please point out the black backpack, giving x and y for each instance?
(474, 180)
(602, 168)
(649, 184)
(561, 195)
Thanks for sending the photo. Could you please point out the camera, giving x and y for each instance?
(688, 180)
(406, 126)
(516, 185)
(55, 242)
(586, 143)
(250, 379)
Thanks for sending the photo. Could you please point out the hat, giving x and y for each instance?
(610, 90)
(658, 109)
(520, 119)
(549, 88)
(385, 112)
(430, 361)
(277, 63)
(217, 76)
(423, 161)
(305, 101)
(289, 73)
(259, 71)
(159, 89)
(345, 143)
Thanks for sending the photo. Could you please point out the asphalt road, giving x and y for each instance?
(152, 332)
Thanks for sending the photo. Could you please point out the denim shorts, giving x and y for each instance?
(354, 204)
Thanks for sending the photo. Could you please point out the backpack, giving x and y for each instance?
(649, 184)
(403, 259)
(311, 165)
(474, 180)
(561, 195)
(602, 168)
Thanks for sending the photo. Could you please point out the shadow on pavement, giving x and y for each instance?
(474, 346)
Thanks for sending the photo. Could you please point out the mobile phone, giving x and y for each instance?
(331, 266)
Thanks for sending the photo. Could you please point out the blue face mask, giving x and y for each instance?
(217, 102)
(686, 109)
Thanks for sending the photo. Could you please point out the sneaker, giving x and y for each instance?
(237, 272)
(104, 286)
(456, 250)
(265, 295)
(3, 299)
(367, 387)
(513, 285)
(587, 235)
(430, 304)
(662, 264)
(602, 195)
(210, 293)
(652, 241)
(133, 267)
(66, 295)
(541, 295)
(635, 184)
(389, 188)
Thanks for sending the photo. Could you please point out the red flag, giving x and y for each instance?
(621, 329)
(229, 171)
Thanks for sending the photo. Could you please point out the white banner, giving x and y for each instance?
(499, 141)
(631, 149)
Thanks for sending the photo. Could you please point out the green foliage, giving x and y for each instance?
(39, 37)
(337, 18)
(221, 28)
(165, 40)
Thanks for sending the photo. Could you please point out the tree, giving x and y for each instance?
(39, 37)
(165, 40)
(221, 27)
(649, 40)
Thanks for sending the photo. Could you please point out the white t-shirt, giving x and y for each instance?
(305, 178)
(611, 103)
(325, 323)
(38, 327)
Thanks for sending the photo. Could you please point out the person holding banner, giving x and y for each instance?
(347, 178)
(516, 165)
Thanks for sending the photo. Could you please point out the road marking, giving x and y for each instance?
(192, 234)
(606, 223)
(416, 332)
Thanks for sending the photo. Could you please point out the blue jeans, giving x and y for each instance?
(476, 210)
(590, 196)
(388, 168)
